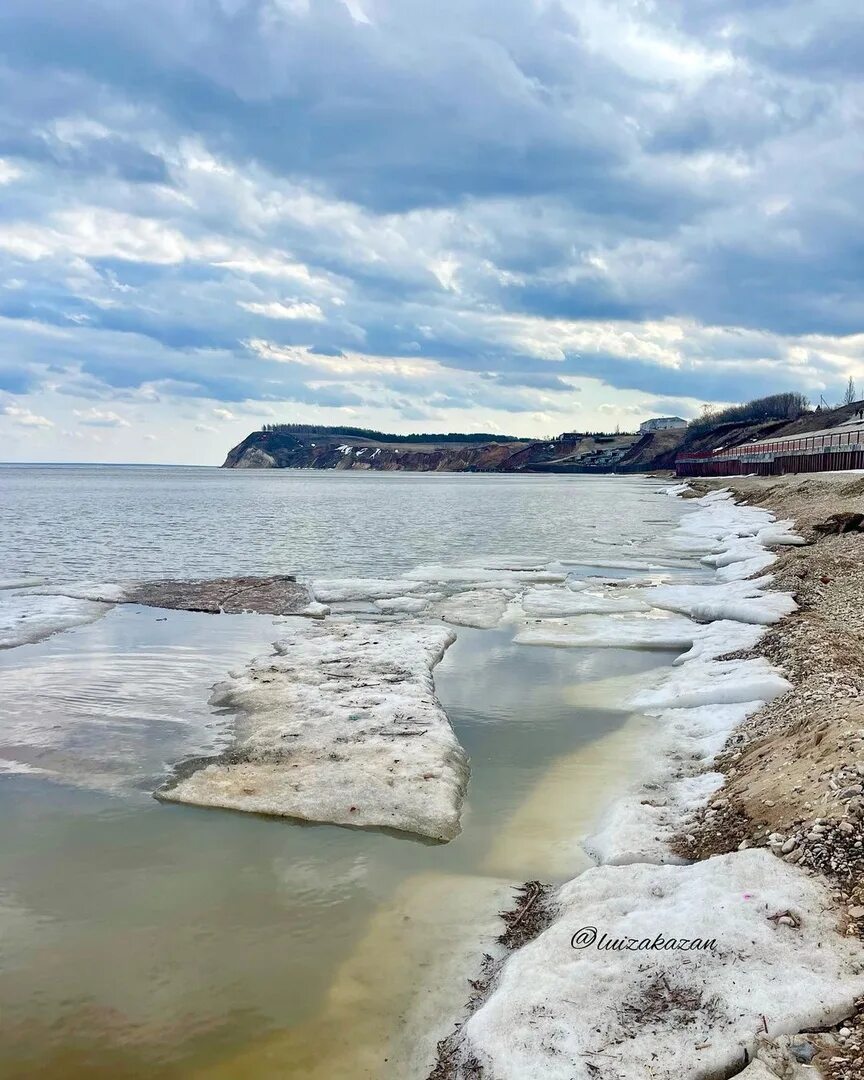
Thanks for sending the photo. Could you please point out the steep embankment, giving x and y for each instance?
(289, 450)
(305, 447)
(329, 449)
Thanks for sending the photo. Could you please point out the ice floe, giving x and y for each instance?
(21, 582)
(556, 603)
(29, 617)
(408, 604)
(652, 631)
(721, 637)
(713, 682)
(97, 591)
(480, 576)
(315, 610)
(482, 609)
(738, 601)
(345, 590)
(342, 725)
(573, 1013)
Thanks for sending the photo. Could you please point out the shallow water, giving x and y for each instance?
(142, 939)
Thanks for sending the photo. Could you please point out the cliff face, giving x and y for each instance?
(572, 453)
(330, 449)
(285, 450)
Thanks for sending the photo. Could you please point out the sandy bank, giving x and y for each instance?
(794, 771)
(627, 1017)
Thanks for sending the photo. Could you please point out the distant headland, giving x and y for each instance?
(657, 444)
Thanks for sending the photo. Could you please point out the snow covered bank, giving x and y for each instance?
(564, 1012)
(699, 704)
(342, 725)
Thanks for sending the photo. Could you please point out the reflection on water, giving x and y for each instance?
(141, 939)
(147, 940)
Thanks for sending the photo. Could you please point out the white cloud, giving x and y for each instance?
(293, 309)
(100, 418)
(8, 171)
(23, 417)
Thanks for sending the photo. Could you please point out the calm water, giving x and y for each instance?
(140, 939)
(107, 522)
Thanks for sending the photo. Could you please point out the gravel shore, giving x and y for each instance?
(795, 770)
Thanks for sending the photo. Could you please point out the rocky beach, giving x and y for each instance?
(759, 799)
(794, 771)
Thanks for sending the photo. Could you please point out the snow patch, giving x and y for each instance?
(564, 1013)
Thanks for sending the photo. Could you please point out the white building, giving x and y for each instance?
(661, 423)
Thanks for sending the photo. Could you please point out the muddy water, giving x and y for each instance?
(148, 940)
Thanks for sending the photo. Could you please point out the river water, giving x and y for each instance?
(145, 939)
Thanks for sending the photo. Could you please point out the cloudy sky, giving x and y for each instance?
(523, 216)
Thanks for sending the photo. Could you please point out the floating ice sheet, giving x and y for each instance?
(342, 725)
(713, 682)
(29, 617)
(408, 604)
(611, 632)
(345, 590)
(482, 609)
(556, 603)
(488, 576)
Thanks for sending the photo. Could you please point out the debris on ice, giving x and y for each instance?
(652, 631)
(482, 609)
(342, 725)
(566, 1013)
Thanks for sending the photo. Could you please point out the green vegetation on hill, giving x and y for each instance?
(381, 436)
(788, 406)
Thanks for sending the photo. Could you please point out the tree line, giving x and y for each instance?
(381, 436)
(788, 406)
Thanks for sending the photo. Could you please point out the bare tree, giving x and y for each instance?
(849, 395)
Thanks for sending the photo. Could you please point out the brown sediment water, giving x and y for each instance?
(147, 940)
(541, 839)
